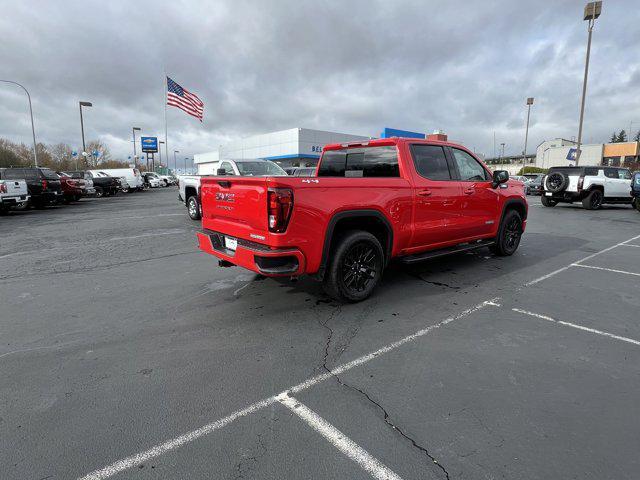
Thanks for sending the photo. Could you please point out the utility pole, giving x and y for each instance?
(84, 148)
(591, 11)
(133, 129)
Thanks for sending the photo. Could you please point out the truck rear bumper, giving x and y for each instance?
(254, 256)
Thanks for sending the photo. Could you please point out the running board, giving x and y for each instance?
(462, 247)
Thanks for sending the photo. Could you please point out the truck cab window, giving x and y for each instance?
(431, 162)
(469, 168)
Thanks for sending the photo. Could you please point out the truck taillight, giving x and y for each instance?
(580, 183)
(279, 206)
(44, 184)
(3, 188)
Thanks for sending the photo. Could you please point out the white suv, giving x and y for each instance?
(592, 186)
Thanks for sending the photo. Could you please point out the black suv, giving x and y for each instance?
(43, 183)
(635, 190)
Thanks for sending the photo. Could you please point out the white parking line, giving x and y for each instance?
(145, 235)
(605, 269)
(579, 327)
(589, 257)
(339, 440)
(174, 443)
(630, 245)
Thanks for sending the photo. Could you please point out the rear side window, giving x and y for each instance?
(49, 174)
(361, 162)
(591, 171)
(611, 173)
(14, 173)
(624, 174)
(431, 162)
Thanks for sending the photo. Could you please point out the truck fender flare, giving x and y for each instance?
(510, 203)
(353, 214)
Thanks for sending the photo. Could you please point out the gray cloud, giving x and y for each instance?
(357, 66)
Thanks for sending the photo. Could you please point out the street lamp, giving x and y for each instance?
(134, 143)
(185, 164)
(83, 104)
(33, 130)
(160, 152)
(526, 135)
(502, 154)
(175, 162)
(592, 11)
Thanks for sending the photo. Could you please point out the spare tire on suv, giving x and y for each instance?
(556, 182)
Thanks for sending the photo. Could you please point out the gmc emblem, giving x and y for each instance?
(225, 197)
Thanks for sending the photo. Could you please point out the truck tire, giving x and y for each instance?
(548, 202)
(99, 192)
(637, 200)
(193, 208)
(355, 268)
(509, 234)
(593, 201)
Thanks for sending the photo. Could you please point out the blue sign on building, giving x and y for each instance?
(149, 144)
(572, 154)
(394, 132)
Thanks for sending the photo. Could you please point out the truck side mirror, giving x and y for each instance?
(221, 172)
(499, 176)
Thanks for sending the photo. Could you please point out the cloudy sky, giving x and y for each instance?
(345, 66)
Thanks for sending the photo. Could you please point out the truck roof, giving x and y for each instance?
(389, 141)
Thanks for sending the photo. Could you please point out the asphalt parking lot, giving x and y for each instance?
(127, 353)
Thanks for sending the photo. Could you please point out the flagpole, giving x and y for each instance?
(166, 143)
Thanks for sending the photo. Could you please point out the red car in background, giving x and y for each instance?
(73, 189)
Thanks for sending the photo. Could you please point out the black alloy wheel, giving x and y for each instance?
(509, 234)
(359, 267)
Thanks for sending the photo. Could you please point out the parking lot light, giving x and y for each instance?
(592, 11)
(83, 104)
(134, 143)
(526, 134)
(33, 129)
(175, 162)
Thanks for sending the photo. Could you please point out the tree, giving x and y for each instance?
(8, 156)
(622, 136)
(104, 155)
(637, 137)
(614, 138)
(61, 155)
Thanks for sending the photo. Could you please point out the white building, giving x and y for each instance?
(292, 147)
(553, 153)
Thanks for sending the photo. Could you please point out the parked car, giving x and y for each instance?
(165, 180)
(151, 179)
(73, 189)
(132, 177)
(249, 168)
(43, 184)
(372, 201)
(189, 194)
(592, 186)
(519, 178)
(13, 193)
(89, 189)
(103, 184)
(635, 190)
(304, 172)
(533, 184)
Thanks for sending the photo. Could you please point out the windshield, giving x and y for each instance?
(259, 168)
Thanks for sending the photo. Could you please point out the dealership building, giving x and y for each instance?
(295, 147)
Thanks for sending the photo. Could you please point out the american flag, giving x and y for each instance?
(184, 100)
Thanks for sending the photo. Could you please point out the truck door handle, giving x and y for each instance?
(469, 191)
(424, 193)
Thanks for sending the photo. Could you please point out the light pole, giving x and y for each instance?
(33, 129)
(134, 143)
(592, 11)
(83, 104)
(185, 165)
(175, 162)
(502, 153)
(160, 153)
(526, 135)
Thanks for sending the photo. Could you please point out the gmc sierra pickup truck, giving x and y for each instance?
(370, 202)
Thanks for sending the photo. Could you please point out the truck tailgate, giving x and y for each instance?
(15, 187)
(235, 205)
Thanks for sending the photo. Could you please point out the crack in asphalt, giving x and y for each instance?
(386, 417)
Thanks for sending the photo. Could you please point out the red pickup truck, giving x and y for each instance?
(370, 202)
